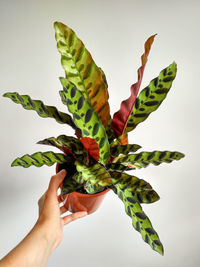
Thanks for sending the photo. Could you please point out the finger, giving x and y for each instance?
(56, 180)
(74, 216)
(61, 199)
(63, 209)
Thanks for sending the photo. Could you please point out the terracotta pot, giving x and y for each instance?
(83, 202)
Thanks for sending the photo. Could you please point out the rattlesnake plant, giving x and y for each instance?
(99, 155)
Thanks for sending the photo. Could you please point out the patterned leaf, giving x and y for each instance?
(120, 118)
(95, 174)
(85, 118)
(143, 159)
(139, 219)
(152, 96)
(123, 149)
(109, 131)
(39, 159)
(71, 184)
(104, 77)
(81, 70)
(42, 110)
(121, 140)
(64, 142)
(118, 167)
(140, 189)
(93, 188)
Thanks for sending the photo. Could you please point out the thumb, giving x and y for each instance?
(56, 180)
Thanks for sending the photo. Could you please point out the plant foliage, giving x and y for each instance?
(99, 156)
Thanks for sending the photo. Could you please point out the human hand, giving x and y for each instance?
(50, 212)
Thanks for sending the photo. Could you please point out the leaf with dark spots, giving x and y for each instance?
(168, 79)
(101, 144)
(42, 110)
(138, 227)
(140, 215)
(165, 72)
(139, 115)
(121, 195)
(73, 92)
(147, 92)
(69, 102)
(131, 200)
(129, 211)
(106, 155)
(81, 70)
(156, 82)
(88, 115)
(156, 90)
(87, 120)
(86, 132)
(80, 103)
(147, 240)
(157, 242)
(139, 220)
(76, 116)
(137, 103)
(139, 196)
(151, 103)
(151, 231)
(162, 155)
(95, 129)
(161, 91)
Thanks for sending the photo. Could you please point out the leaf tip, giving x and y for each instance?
(5, 95)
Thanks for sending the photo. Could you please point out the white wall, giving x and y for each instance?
(114, 32)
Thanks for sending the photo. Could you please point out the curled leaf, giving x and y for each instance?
(41, 109)
(120, 118)
(140, 221)
(123, 149)
(151, 96)
(143, 159)
(39, 159)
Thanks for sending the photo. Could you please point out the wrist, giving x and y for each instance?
(48, 233)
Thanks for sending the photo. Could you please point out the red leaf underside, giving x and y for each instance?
(91, 147)
(120, 118)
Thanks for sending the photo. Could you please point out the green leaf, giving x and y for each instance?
(71, 184)
(140, 221)
(39, 159)
(118, 167)
(138, 188)
(123, 149)
(93, 188)
(143, 159)
(96, 174)
(151, 97)
(42, 110)
(61, 141)
(85, 118)
(81, 70)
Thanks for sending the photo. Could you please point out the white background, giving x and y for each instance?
(114, 32)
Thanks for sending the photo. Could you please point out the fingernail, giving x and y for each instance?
(62, 172)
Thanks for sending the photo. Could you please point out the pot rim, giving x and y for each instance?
(78, 194)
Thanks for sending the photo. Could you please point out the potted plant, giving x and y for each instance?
(98, 158)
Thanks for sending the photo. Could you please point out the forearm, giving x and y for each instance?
(33, 251)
